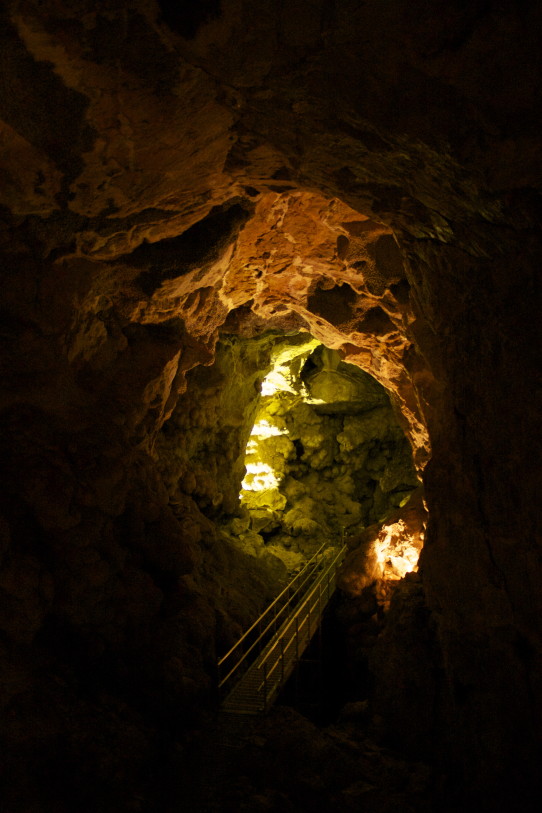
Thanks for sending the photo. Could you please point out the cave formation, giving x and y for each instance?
(325, 458)
(178, 179)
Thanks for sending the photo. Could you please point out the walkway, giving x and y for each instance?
(252, 673)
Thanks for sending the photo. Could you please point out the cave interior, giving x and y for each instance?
(271, 280)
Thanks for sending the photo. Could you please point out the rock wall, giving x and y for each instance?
(368, 173)
(326, 455)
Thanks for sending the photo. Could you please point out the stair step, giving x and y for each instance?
(259, 685)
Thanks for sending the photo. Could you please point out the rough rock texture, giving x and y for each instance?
(326, 454)
(285, 763)
(367, 172)
(202, 447)
(384, 552)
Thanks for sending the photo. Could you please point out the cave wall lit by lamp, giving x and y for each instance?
(191, 193)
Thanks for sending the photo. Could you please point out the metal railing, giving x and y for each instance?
(284, 631)
(257, 636)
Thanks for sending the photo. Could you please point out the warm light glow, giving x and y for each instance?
(259, 477)
(396, 552)
(264, 429)
(282, 378)
(278, 380)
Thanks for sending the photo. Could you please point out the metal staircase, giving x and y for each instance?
(252, 673)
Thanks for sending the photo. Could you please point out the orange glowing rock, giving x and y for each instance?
(397, 552)
(386, 552)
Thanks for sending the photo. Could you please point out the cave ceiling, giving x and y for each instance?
(161, 176)
(173, 172)
(175, 175)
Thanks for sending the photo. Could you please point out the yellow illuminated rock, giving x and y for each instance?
(325, 453)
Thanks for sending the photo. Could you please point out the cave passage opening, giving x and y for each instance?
(280, 446)
(326, 458)
(327, 463)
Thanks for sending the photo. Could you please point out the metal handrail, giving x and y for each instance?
(288, 595)
(260, 684)
(277, 599)
(300, 609)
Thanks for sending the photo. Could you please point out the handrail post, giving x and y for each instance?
(265, 686)
(297, 639)
(281, 661)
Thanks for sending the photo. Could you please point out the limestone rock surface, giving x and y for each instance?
(368, 173)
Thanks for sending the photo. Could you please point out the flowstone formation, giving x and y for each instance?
(326, 456)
